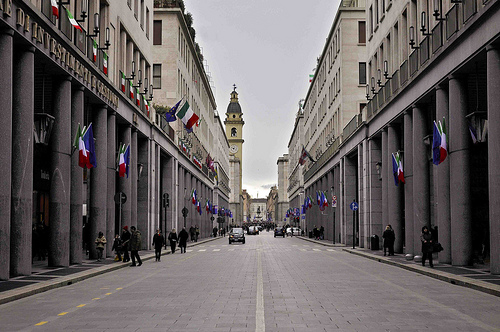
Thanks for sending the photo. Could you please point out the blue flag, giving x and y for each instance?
(170, 115)
(88, 139)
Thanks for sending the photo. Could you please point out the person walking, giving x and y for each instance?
(125, 243)
(214, 231)
(172, 238)
(321, 232)
(100, 242)
(389, 237)
(191, 233)
(183, 238)
(135, 246)
(197, 233)
(158, 242)
(426, 238)
(117, 247)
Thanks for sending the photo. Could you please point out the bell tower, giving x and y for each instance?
(234, 132)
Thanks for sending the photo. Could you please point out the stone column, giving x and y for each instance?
(111, 166)
(6, 80)
(412, 247)
(23, 96)
(443, 185)
(124, 183)
(493, 87)
(375, 205)
(364, 183)
(98, 178)
(350, 195)
(421, 204)
(385, 181)
(182, 192)
(76, 196)
(394, 193)
(342, 198)
(132, 174)
(458, 150)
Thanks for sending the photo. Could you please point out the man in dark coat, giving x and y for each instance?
(172, 238)
(192, 232)
(135, 246)
(389, 237)
(183, 238)
(125, 243)
(158, 242)
(426, 238)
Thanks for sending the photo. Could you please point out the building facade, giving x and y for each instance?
(282, 204)
(59, 74)
(426, 63)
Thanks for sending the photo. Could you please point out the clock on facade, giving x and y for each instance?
(233, 149)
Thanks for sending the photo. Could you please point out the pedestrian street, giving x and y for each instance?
(266, 284)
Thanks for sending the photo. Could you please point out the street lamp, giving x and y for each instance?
(43, 127)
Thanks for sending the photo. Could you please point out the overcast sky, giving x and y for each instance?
(267, 48)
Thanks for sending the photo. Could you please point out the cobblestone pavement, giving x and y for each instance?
(267, 284)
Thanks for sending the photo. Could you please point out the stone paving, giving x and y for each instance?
(215, 287)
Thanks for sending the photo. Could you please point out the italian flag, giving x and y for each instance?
(124, 161)
(131, 90)
(439, 143)
(94, 50)
(137, 99)
(146, 105)
(193, 196)
(105, 63)
(311, 78)
(188, 117)
(397, 169)
(55, 8)
(72, 20)
(83, 157)
(123, 82)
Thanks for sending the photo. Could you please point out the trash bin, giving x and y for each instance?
(310, 234)
(374, 242)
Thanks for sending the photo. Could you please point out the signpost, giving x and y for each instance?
(334, 205)
(120, 199)
(354, 207)
(166, 203)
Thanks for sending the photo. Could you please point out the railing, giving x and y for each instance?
(351, 127)
(424, 51)
(403, 72)
(387, 90)
(469, 9)
(166, 4)
(380, 97)
(323, 159)
(395, 82)
(451, 21)
(437, 37)
(413, 62)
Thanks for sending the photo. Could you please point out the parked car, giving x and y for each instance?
(279, 231)
(253, 230)
(237, 235)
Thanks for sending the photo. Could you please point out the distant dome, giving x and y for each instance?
(234, 105)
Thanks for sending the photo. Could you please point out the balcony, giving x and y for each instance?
(166, 4)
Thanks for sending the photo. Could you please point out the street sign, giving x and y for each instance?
(354, 206)
(334, 201)
(120, 196)
(212, 218)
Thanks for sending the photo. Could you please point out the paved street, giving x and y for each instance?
(267, 284)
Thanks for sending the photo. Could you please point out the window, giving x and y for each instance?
(147, 23)
(157, 32)
(156, 76)
(129, 3)
(233, 132)
(370, 16)
(362, 32)
(142, 14)
(362, 73)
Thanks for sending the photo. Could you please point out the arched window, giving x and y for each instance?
(233, 132)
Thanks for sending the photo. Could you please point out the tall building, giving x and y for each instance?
(59, 75)
(426, 63)
(272, 204)
(234, 133)
(283, 202)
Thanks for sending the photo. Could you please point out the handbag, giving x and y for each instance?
(437, 247)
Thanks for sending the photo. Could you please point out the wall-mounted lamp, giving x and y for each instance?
(386, 70)
(373, 86)
(96, 26)
(106, 43)
(43, 127)
(437, 11)
(427, 140)
(368, 92)
(150, 93)
(131, 78)
(423, 24)
(378, 167)
(140, 167)
(83, 14)
(139, 79)
(479, 126)
(146, 86)
(379, 78)
(412, 38)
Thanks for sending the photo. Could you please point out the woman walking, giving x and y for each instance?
(100, 242)
(158, 242)
(172, 237)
